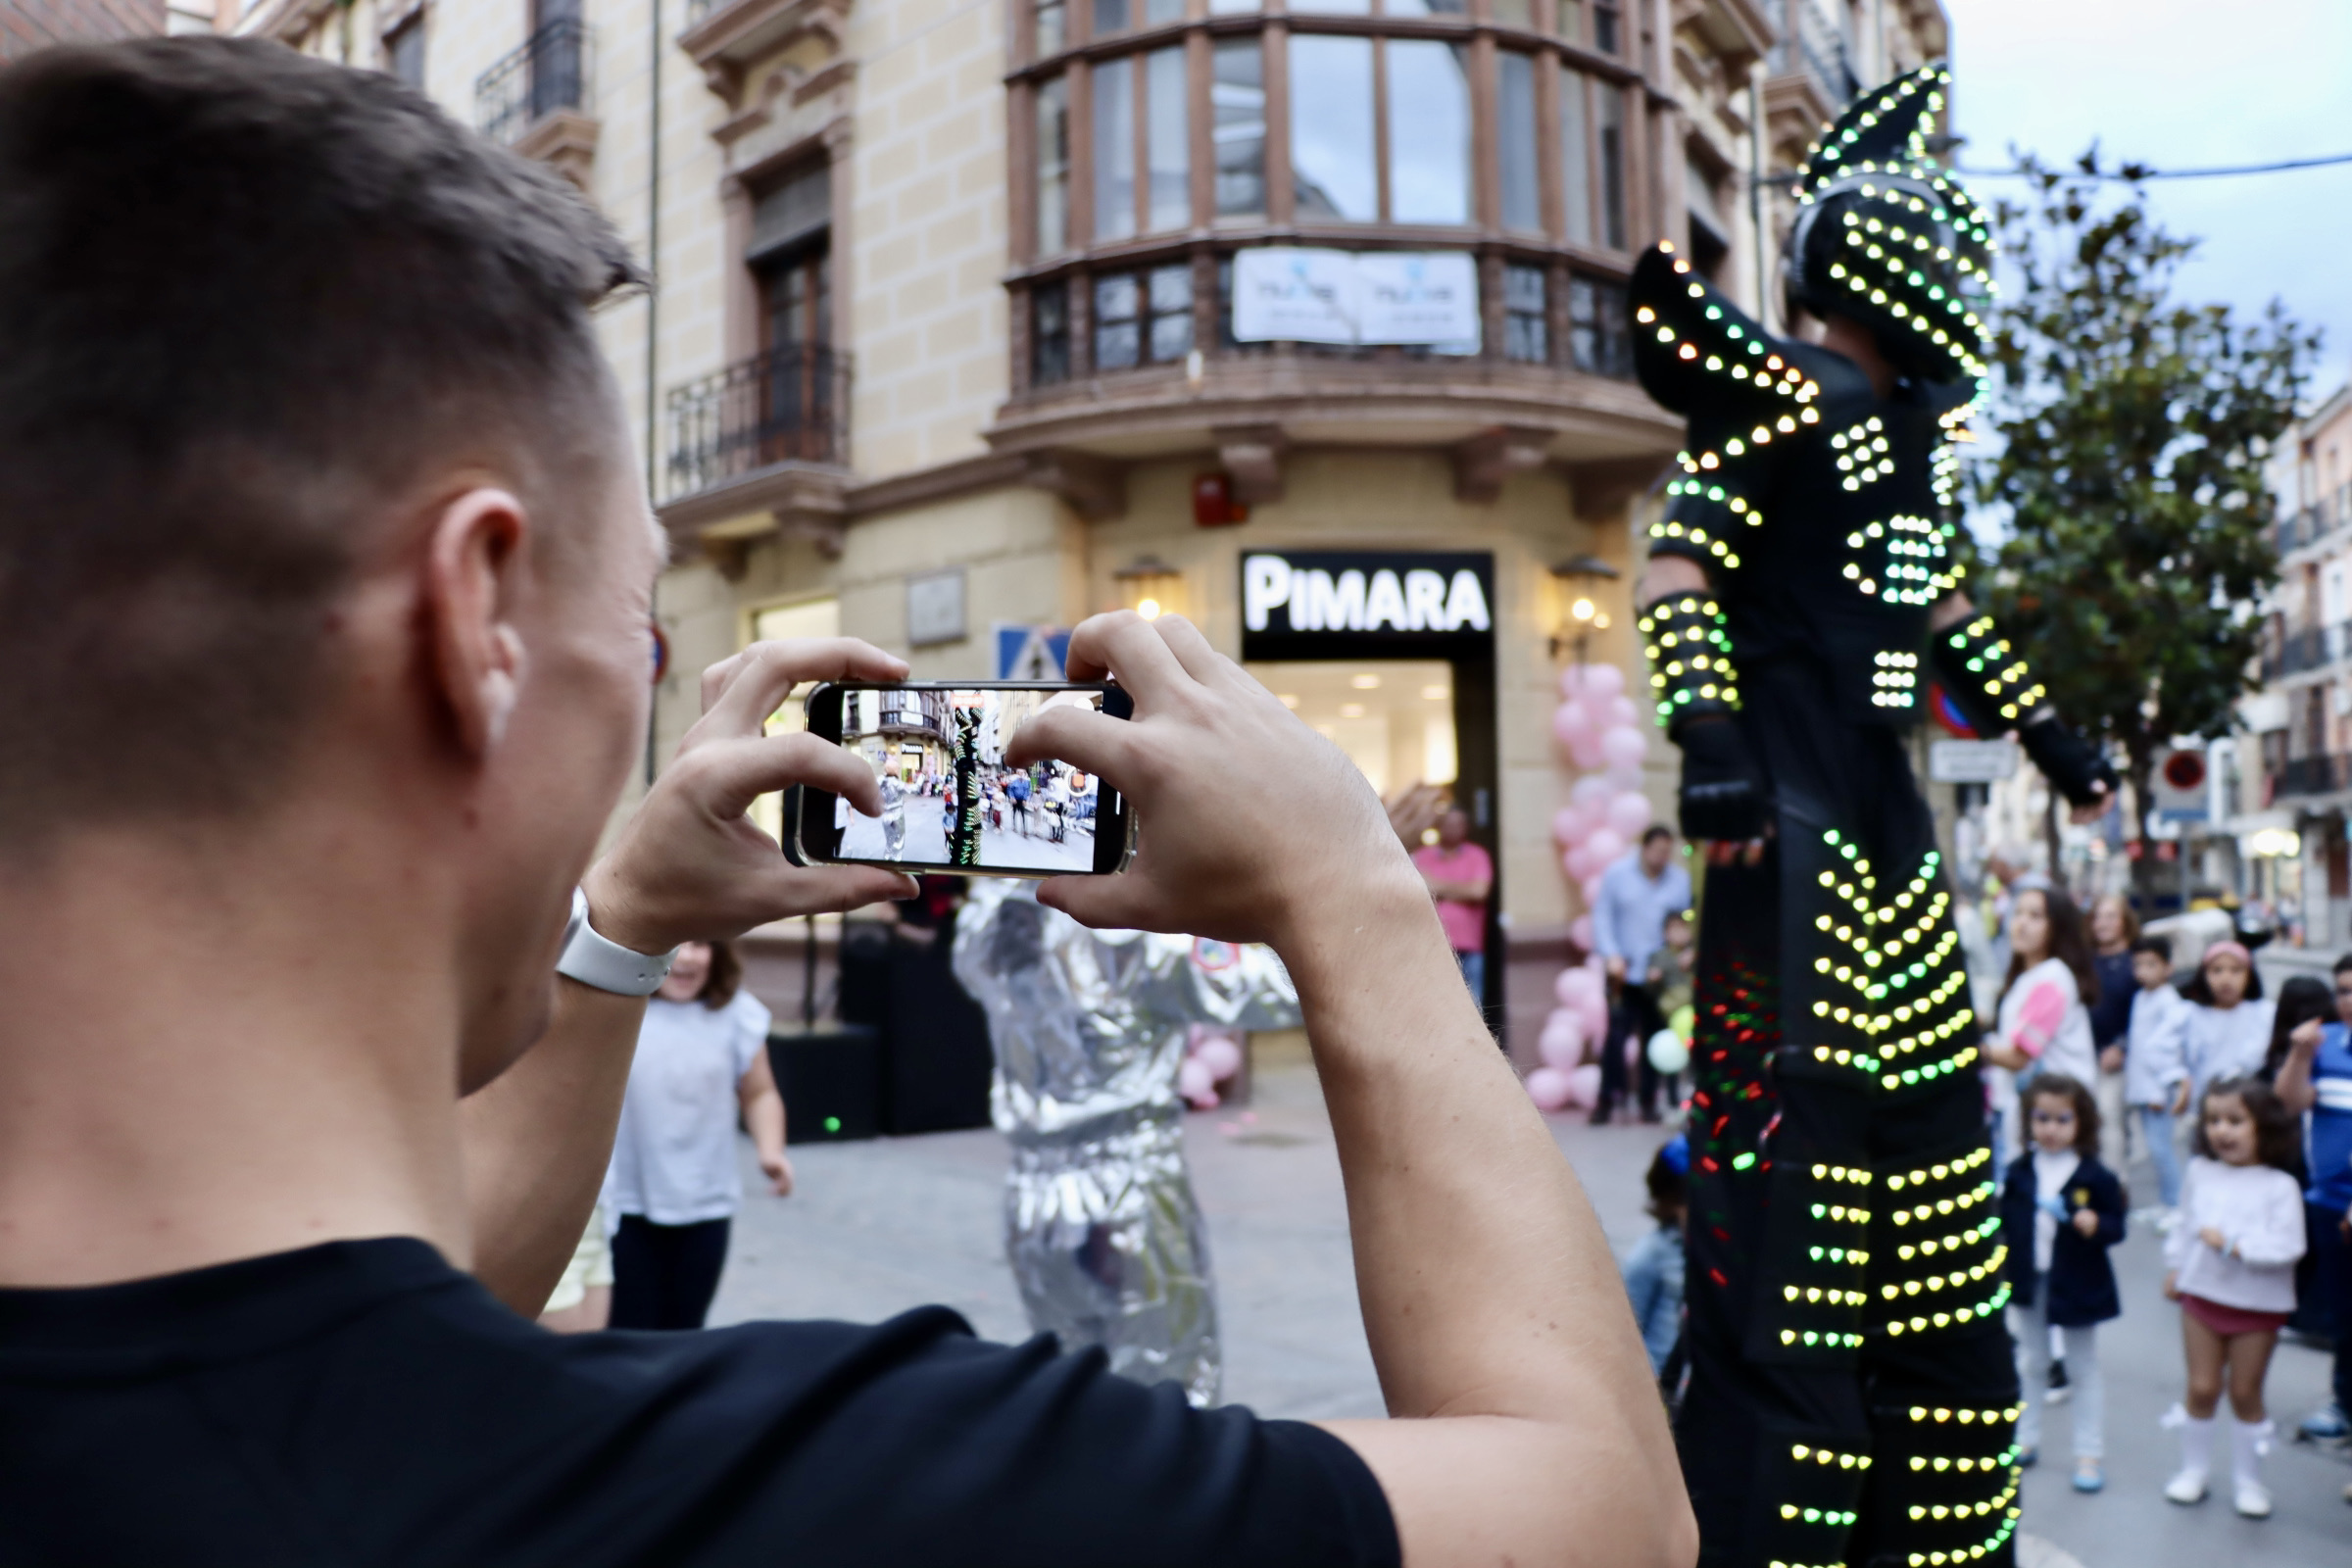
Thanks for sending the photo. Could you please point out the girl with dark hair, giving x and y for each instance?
(2228, 1021)
(674, 1184)
(2046, 1015)
(2072, 1207)
(2230, 1264)
(2305, 1000)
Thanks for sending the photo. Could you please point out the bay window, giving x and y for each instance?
(1336, 124)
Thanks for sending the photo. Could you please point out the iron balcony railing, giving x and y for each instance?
(788, 405)
(2326, 774)
(2312, 648)
(1811, 43)
(550, 73)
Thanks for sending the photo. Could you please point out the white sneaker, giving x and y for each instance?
(2188, 1487)
(2253, 1499)
(2168, 1222)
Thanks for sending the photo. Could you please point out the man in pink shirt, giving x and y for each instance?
(1460, 876)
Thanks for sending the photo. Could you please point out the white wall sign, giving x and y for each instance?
(1284, 293)
(1293, 295)
(935, 608)
(1970, 761)
(1417, 297)
(1366, 591)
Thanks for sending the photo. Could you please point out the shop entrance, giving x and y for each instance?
(1393, 718)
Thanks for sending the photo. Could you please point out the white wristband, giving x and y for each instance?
(596, 962)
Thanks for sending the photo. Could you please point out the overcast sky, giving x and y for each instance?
(2185, 84)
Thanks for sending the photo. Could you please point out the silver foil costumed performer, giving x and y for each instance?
(1853, 1394)
(1103, 1236)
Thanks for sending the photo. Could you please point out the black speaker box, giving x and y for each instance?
(831, 1080)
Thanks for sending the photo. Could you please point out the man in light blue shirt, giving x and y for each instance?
(1638, 891)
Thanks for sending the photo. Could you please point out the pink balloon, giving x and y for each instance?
(1604, 845)
(1623, 711)
(1590, 887)
(1562, 1041)
(1620, 779)
(1585, 750)
(1576, 986)
(1588, 794)
(1583, 1086)
(1581, 863)
(1572, 683)
(1569, 825)
(1623, 746)
(1220, 1056)
(1197, 1084)
(1600, 708)
(1580, 932)
(1629, 814)
(1606, 679)
(1572, 724)
(1549, 1088)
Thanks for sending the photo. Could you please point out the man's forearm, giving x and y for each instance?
(537, 1141)
(1487, 1286)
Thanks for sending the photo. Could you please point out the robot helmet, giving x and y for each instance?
(1885, 235)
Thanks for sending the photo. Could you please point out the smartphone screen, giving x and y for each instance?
(950, 799)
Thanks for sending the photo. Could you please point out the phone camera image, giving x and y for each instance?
(949, 796)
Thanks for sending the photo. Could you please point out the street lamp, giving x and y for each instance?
(1580, 578)
(1150, 587)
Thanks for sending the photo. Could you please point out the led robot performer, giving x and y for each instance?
(1100, 1227)
(1853, 1394)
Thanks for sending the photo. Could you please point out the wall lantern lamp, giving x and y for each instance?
(1150, 587)
(1580, 579)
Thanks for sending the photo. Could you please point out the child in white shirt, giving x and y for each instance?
(2230, 1264)
(2155, 1074)
(2228, 1021)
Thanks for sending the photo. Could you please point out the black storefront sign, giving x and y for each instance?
(1367, 603)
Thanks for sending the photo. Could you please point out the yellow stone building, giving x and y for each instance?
(974, 317)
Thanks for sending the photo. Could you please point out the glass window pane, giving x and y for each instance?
(1576, 156)
(1234, 8)
(1116, 337)
(1429, 131)
(1604, 28)
(1052, 166)
(1236, 97)
(1172, 288)
(1612, 165)
(1111, 16)
(1525, 333)
(1049, 333)
(1114, 148)
(1515, 141)
(1168, 144)
(1514, 13)
(1160, 13)
(1426, 8)
(1572, 21)
(1052, 28)
(1330, 127)
(1343, 8)
(1172, 302)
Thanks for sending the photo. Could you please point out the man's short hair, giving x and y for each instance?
(2343, 965)
(245, 297)
(1654, 832)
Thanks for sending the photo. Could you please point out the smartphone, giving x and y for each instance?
(949, 800)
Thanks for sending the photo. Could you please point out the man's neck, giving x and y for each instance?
(218, 1048)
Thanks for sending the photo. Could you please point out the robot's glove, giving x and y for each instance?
(2066, 759)
(1722, 796)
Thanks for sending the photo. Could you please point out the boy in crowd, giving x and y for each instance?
(325, 607)
(2155, 1068)
(2317, 1077)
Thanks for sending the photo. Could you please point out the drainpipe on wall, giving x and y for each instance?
(653, 322)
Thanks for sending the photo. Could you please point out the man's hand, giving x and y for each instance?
(1614, 967)
(2181, 1098)
(690, 865)
(1221, 777)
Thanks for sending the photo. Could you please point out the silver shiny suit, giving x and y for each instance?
(1100, 1227)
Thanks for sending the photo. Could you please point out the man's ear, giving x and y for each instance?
(472, 569)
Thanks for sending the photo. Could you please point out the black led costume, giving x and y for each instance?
(1853, 1394)
(964, 805)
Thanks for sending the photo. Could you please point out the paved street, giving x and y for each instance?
(927, 839)
(882, 1226)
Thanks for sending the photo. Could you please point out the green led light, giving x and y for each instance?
(1742, 1161)
(832, 1124)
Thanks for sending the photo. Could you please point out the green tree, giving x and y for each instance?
(2131, 433)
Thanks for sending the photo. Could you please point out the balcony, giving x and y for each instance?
(762, 447)
(729, 38)
(2301, 652)
(536, 100)
(2329, 773)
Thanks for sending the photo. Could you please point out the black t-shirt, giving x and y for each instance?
(364, 1403)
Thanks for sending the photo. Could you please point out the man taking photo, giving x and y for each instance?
(324, 593)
